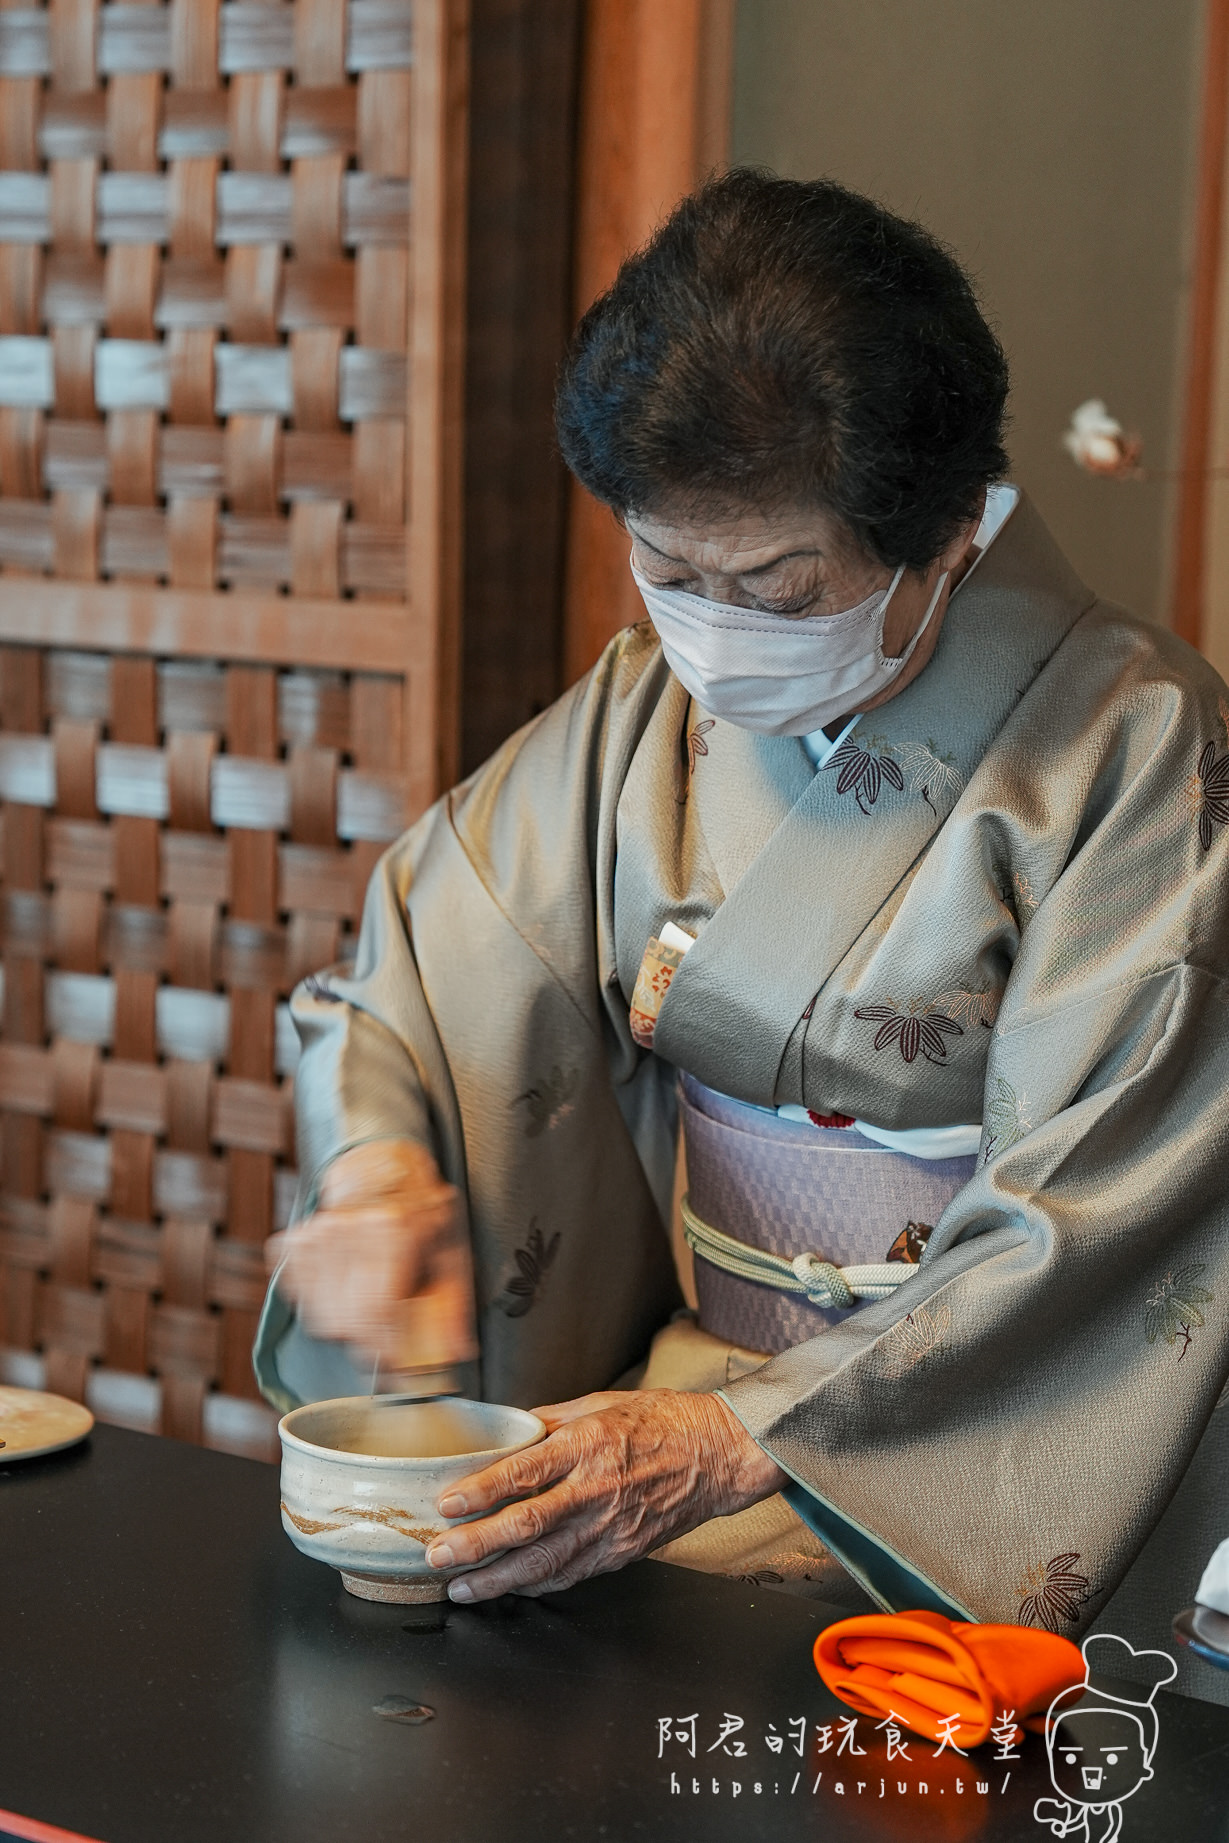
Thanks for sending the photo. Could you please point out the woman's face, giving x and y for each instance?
(800, 562)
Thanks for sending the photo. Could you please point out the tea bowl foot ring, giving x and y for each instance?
(393, 1589)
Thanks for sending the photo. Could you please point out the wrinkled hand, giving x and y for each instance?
(384, 1263)
(617, 1475)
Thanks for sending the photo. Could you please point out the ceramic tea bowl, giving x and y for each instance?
(361, 1475)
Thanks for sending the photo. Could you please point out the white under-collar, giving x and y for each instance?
(1001, 502)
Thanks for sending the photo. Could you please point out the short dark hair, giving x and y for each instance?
(784, 341)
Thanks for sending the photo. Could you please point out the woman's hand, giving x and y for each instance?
(383, 1263)
(617, 1475)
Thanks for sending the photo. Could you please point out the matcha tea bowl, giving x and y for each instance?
(361, 1475)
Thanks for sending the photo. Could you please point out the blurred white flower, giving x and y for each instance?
(1097, 442)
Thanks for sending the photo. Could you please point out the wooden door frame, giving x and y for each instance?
(654, 119)
(1207, 355)
(439, 152)
(524, 87)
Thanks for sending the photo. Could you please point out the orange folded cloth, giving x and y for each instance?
(924, 1669)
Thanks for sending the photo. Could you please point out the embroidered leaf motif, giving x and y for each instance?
(1053, 1593)
(1004, 1120)
(912, 1033)
(760, 1577)
(534, 1261)
(931, 774)
(971, 1008)
(1173, 1309)
(862, 771)
(1208, 793)
(549, 1101)
(915, 1337)
(691, 744)
(696, 744)
(1024, 891)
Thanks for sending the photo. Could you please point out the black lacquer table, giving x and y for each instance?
(172, 1671)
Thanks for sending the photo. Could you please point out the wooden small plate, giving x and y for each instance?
(32, 1423)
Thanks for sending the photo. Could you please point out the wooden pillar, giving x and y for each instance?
(524, 82)
(1201, 563)
(439, 143)
(654, 115)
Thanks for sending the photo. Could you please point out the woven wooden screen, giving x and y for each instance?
(217, 698)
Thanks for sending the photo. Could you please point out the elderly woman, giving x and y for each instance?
(898, 861)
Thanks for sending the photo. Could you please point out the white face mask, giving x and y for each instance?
(780, 675)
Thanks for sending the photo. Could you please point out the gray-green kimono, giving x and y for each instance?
(1030, 840)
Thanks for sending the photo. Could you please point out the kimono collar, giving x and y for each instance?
(1001, 502)
(831, 846)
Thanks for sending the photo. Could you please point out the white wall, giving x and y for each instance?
(1051, 143)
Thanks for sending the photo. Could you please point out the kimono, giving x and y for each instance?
(1029, 843)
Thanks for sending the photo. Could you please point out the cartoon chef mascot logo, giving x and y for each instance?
(1100, 1744)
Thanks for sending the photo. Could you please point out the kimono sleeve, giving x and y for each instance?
(483, 951)
(522, 842)
(999, 1440)
(371, 1059)
(370, 1051)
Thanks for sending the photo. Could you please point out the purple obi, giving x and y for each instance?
(791, 1190)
